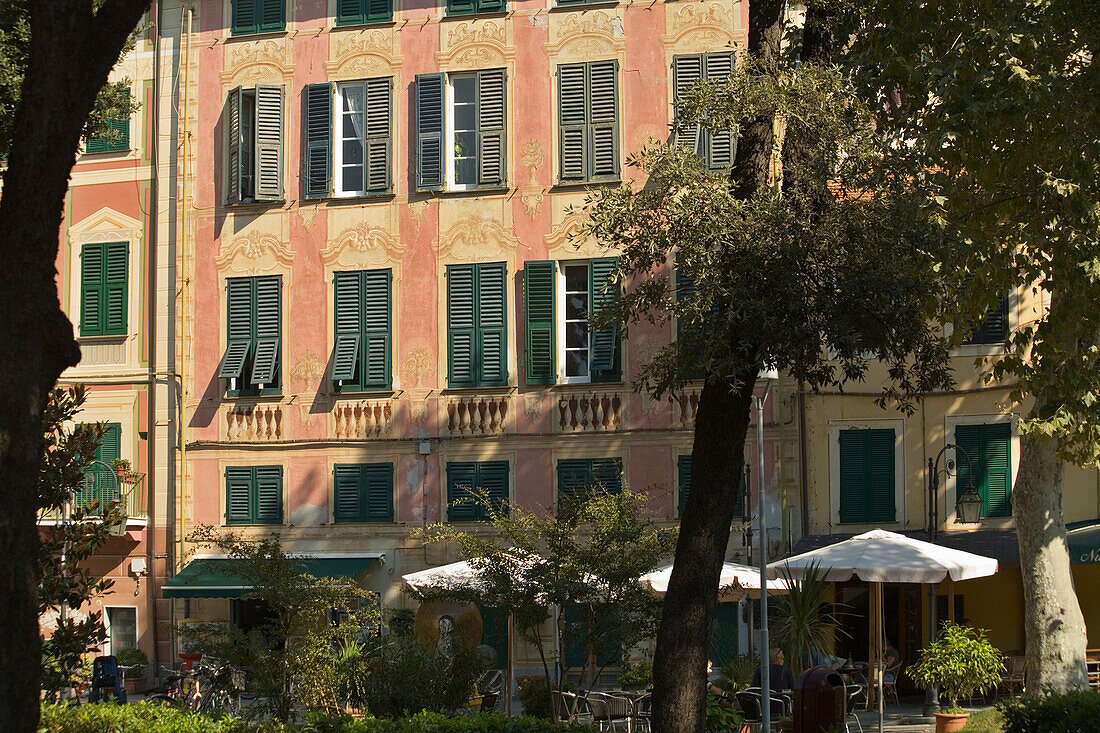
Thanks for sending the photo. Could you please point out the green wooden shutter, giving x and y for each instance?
(461, 479)
(603, 113)
(238, 490)
(116, 266)
(268, 326)
(318, 123)
(683, 477)
(461, 7)
(269, 143)
(880, 456)
(461, 325)
(491, 120)
(572, 123)
(379, 95)
(239, 296)
(723, 634)
(345, 493)
(853, 449)
(574, 476)
(686, 70)
(603, 292)
(867, 476)
(377, 483)
(234, 164)
(989, 448)
(493, 480)
(108, 450)
(347, 296)
(271, 15)
(607, 474)
(492, 322)
(268, 506)
(376, 329)
(538, 313)
(354, 12)
(720, 145)
(117, 139)
(429, 132)
(92, 286)
(244, 16)
(378, 11)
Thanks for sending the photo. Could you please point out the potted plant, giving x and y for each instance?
(122, 467)
(136, 661)
(636, 675)
(960, 662)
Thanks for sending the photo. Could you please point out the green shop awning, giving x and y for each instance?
(210, 577)
(1084, 542)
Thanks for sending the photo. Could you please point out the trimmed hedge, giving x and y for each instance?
(152, 718)
(1072, 712)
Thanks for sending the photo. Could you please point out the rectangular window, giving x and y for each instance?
(254, 495)
(362, 317)
(100, 483)
(867, 475)
(715, 148)
(477, 341)
(117, 138)
(254, 144)
(363, 492)
(252, 360)
(460, 131)
(993, 330)
(360, 12)
(467, 481)
(588, 122)
(258, 16)
(468, 7)
(348, 150)
(104, 277)
(121, 629)
(577, 475)
(683, 480)
(990, 451)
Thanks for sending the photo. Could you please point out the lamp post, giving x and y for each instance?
(768, 375)
(968, 509)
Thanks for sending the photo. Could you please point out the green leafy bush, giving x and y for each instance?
(130, 657)
(961, 662)
(534, 696)
(636, 674)
(1071, 712)
(721, 715)
(738, 672)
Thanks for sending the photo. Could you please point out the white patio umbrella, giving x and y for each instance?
(735, 582)
(455, 576)
(880, 557)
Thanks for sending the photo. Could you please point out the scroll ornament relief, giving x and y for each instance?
(531, 156)
(704, 27)
(254, 253)
(564, 240)
(588, 35)
(257, 62)
(476, 239)
(642, 355)
(476, 44)
(359, 53)
(416, 365)
(417, 210)
(533, 405)
(362, 245)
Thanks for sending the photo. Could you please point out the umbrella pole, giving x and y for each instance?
(511, 670)
(879, 650)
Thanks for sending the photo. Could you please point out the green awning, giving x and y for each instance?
(210, 577)
(1084, 542)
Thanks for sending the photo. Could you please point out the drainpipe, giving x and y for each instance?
(151, 309)
(803, 470)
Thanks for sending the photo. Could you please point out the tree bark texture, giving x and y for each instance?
(72, 51)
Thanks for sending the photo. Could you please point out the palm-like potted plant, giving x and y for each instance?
(961, 662)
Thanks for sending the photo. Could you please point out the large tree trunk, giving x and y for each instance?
(71, 53)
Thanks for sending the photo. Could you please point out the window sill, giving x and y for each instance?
(254, 524)
(358, 394)
(577, 387)
(460, 15)
(582, 5)
(366, 198)
(353, 24)
(265, 396)
(257, 206)
(562, 186)
(343, 522)
(468, 192)
(98, 153)
(112, 338)
(252, 35)
(465, 391)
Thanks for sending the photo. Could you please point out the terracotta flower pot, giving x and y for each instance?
(951, 722)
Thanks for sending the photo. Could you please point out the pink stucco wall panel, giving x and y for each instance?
(414, 477)
(307, 488)
(533, 487)
(645, 98)
(206, 482)
(649, 469)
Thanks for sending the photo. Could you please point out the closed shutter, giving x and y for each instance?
(269, 495)
(573, 476)
(603, 106)
(461, 480)
(461, 7)
(989, 448)
(92, 286)
(377, 485)
(538, 312)
(353, 12)
(345, 493)
(347, 296)
(379, 93)
(429, 132)
(269, 143)
(461, 325)
(686, 70)
(234, 164)
(493, 480)
(378, 11)
(603, 292)
(108, 451)
(683, 478)
(244, 16)
(239, 327)
(881, 475)
(867, 476)
(607, 474)
(492, 322)
(720, 145)
(272, 15)
(994, 328)
(268, 329)
(491, 112)
(238, 490)
(318, 123)
(117, 138)
(376, 329)
(572, 123)
(116, 268)
(853, 449)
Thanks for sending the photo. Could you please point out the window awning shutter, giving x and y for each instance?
(345, 493)
(318, 121)
(538, 312)
(603, 99)
(239, 305)
(377, 328)
(269, 494)
(269, 143)
(720, 144)
(268, 329)
(491, 111)
(572, 123)
(429, 132)
(492, 322)
(686, 70)
(461, 481)
(238, 487)
(379, 94)
(461, 325)
(233, 162)
(347, 299)
(603, 294)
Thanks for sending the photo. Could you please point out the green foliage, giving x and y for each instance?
(802, 627)
(398, 678)
(534, 696)
(961, 662)
(721, 715)
(1070, 712)
(130, 657)
(636, 674)
(989, 720)
(738, 672)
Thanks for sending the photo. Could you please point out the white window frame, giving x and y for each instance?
(559, 321)
(108, 644)
(950, 422)
(978, 350)
(835, 428)
(338, 140)
(449, 131)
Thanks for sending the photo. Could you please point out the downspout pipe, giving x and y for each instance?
(152, 239)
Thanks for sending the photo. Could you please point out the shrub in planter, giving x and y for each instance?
(961, 662)
(636, 674)
(137, 661)
(534, 696)
(1070, 712)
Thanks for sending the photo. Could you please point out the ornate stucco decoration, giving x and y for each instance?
(477, 239)
(417, 364)
(700, 26)
(563, 242)
(105, 225)
(533, 405)
(475, 44)
(360, 246)
(642, 355)
(532, 200)
(308, 214)
(248, 63)
(531, 156)
(417, 209)
(307, 370)
(255, 253)
(583, 36)
(357, 54)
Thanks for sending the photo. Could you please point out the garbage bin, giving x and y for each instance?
(819, 700)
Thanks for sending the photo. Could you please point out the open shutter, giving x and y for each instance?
(683, 479)
(238, 489)
(238, 327)
(272, 15)
(91, 289)
(233, 162)
(269, 495)
(572, 123)
(461, 325)
(603, 111)
(268, 329)
(880, 458)
(603, 293)
(997, 461)
(349, 332)
(854, 502)
(429, 132)
(376, 329)
(377, 483)
(379, 94)
(378, 11)
(574, 476)
(490, 127)
(493, 481)
(491, 323)
(244, 16)
(538, 312)
(686, 70)
(607, 474)
(345, 493)
(461, 479)
(318, 123)
(116, 267)
(720, 145)
(269, 143)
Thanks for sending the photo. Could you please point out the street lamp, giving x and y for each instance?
(968, 510)
(768, 375)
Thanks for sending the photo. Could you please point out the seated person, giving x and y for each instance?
(890, 657)
(715, 681)
(780, 678)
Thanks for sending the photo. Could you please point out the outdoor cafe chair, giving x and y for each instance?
(643, 710)
(570, 707)
(853, 692)
(608, 711)
(1012, 681)
(750, 700)
(890, 687)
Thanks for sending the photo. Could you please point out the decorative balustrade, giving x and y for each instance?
(596, 411)
(478, 415)
(684, 406)
(254, 422)
(358, 419)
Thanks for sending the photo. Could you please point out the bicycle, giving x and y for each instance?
(210, 687)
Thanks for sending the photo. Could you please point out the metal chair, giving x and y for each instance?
(643, 711)
(569, 707)
(853, 692)
(608, 711)
(750, 701)
(890, 687)
(1014, 677)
